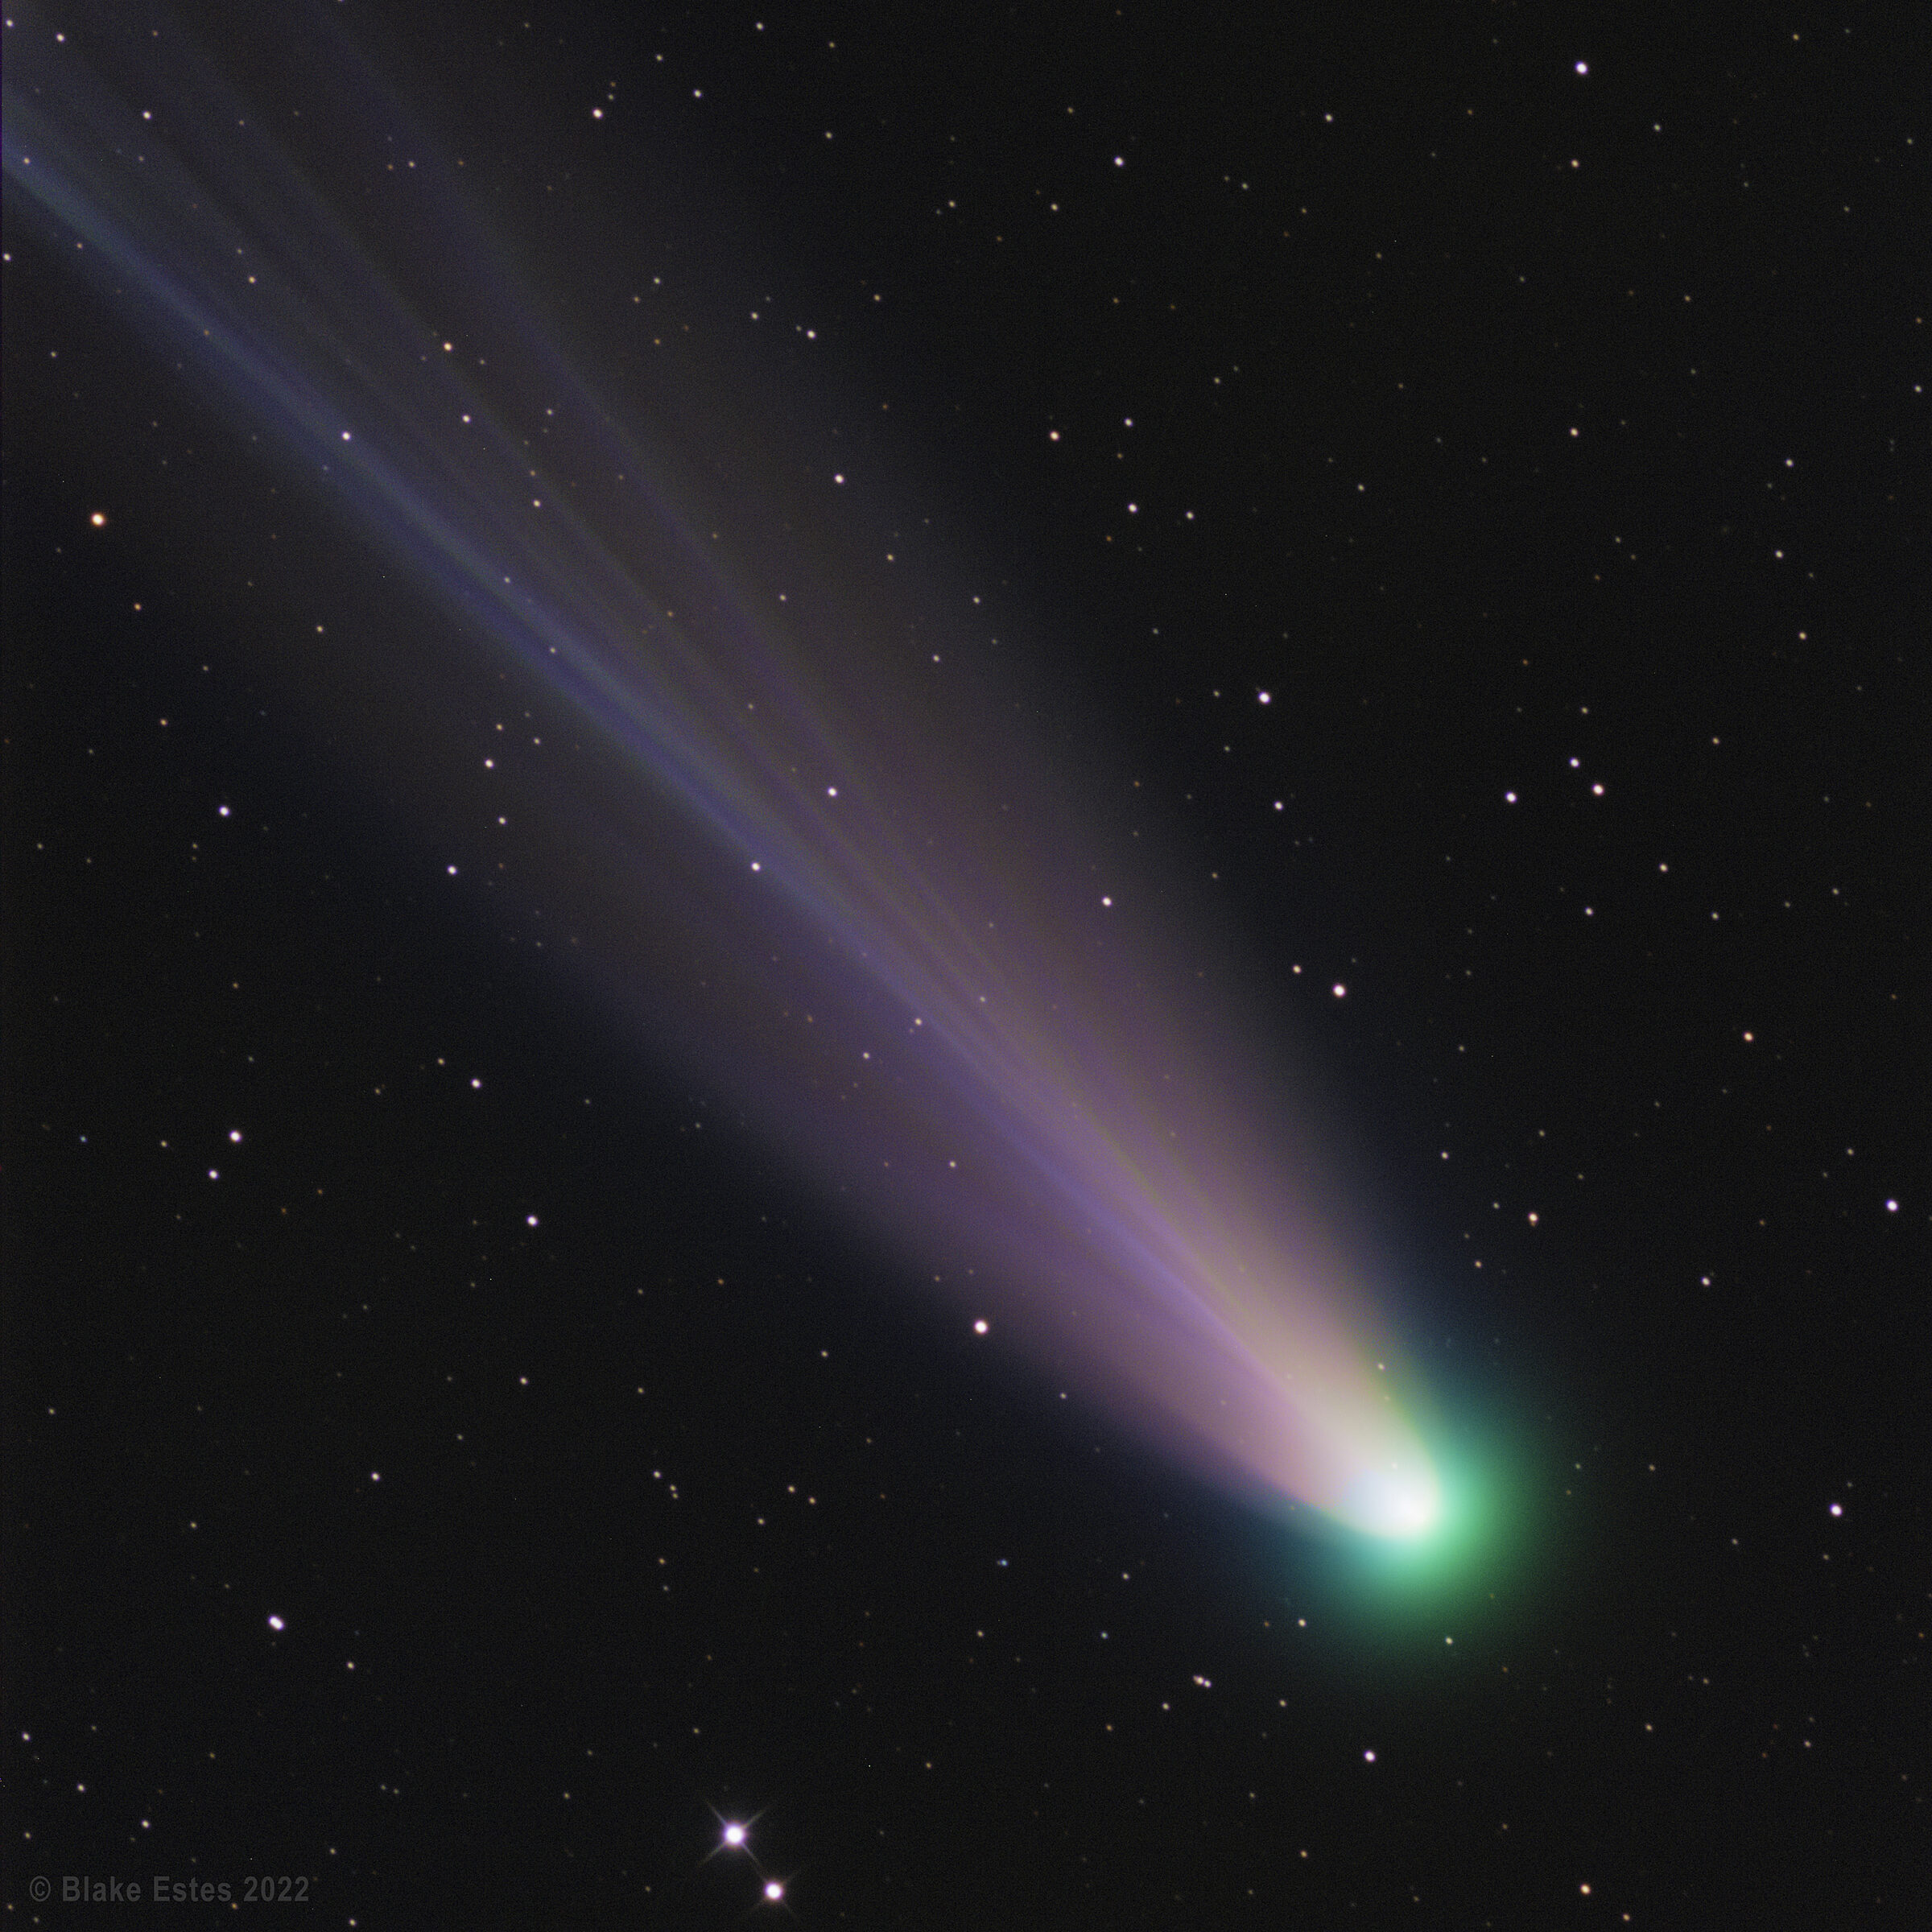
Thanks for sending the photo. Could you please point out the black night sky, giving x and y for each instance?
(1445, 488)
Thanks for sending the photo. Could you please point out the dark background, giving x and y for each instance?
(1542, 431)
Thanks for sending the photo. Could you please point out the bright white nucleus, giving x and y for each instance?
(1397, 1502)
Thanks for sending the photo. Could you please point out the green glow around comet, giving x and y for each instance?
(1475, 1560)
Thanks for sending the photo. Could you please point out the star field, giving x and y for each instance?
(1408, 533)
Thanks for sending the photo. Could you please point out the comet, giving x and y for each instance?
(777, 800)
